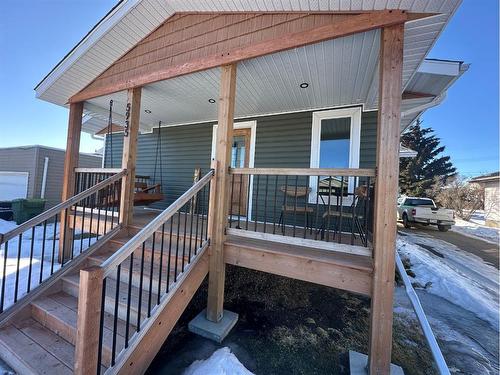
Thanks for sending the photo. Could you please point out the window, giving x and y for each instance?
(335, 144)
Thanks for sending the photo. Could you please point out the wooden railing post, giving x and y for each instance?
(89, 316)
(384, 231)
(68, 188)
(217, 270)
(129, 155)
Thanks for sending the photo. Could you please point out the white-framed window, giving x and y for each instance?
(335, 143)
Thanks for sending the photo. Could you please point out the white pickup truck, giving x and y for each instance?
(424, 211)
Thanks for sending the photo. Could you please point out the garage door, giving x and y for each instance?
(13, 185)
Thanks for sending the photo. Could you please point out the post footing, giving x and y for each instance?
(358, 364)
(213, 331)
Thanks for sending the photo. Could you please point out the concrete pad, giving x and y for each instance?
(358, 363)
(210, 330)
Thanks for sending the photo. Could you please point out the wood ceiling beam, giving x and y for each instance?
(351, 25)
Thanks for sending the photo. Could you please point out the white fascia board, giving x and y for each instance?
(100, 30)
(447, 68)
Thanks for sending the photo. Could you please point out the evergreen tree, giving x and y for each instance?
(418, 175)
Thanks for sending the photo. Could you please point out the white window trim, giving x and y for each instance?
(355, 141)
(252, 125)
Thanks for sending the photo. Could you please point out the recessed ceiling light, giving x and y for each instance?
(147, 111)
(211, 100)
(304, 85)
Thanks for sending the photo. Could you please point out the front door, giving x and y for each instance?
(240, 156)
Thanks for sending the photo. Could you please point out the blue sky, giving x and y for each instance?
(36, 34)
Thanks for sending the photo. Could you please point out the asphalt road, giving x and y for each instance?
(487, 251)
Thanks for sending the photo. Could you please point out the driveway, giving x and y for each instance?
(485, 250)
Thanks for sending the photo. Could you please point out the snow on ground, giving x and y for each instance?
(475, 228)
(221, 362)
(460, 296)
(17, 268)
(459, 277)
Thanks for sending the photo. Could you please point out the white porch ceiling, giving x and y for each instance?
(132, 20)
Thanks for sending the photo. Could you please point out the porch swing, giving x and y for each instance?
(144, 194)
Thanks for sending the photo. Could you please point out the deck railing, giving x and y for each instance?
(324, 205)
(141, 276)
(40, 249)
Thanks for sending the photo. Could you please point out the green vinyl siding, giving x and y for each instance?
(282, 141)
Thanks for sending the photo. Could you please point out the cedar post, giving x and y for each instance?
(68, 188)
(88, 323)
(220, 207)
(129, 155)
(384, 233)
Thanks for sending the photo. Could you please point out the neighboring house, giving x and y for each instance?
(36, 172)
(293, 110)
(491, 184)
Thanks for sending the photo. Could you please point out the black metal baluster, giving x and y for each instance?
(30, 267)
(129, 294)
(231, 202)
(115, 315)
(101, 326)
(341, 208)
(265, 202)
(4, 274)
(329, 208)
(275, 202)
(191, 230)
(84, 206)
(161, 263)
(53, 246)
(169, 253)
(184, 238)
(44, 235)
(317, 209)
(73, 231)
(283, 209)
(151, 268)
(240, 200)
(203, 215)
(206, 210)
(139, 303)
(92, 205)
(98, 215)
(295, 204)
(248, 197)
(256, 214)
(177, 245)
(200, 204)
(20, 240)
(306, 212)
(353, 209)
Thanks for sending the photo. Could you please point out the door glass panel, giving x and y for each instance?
(238, 152)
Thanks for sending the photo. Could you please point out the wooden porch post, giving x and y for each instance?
(70, 163)
(88, 323)
(224, 140)
(129, 155)
(384, 233)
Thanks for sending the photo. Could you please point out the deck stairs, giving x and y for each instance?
(41, 338)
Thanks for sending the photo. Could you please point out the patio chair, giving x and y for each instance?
(295, 201)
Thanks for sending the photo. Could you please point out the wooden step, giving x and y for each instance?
(326, 267)
(71, 284)
(58, 313)
(30, 348)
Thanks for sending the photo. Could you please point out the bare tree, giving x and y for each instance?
(460, 195)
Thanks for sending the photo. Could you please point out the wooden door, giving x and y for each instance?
(240, 156)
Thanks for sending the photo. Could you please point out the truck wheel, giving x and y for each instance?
(443, 228)
(406, 223)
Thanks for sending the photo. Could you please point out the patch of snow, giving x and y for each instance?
(33, 260)
(475, 229)
(221, 362)
(457, 276)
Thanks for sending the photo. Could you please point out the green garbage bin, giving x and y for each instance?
(25, 209)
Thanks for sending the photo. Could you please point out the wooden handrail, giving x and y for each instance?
(351, 172)
(98, 170)
(61, 206)
(123, 253)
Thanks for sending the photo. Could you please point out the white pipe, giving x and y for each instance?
(44, 177)
(424, 323)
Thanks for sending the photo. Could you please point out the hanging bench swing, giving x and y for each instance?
(144, 194)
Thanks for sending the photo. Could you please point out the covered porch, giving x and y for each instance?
(294, 120)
